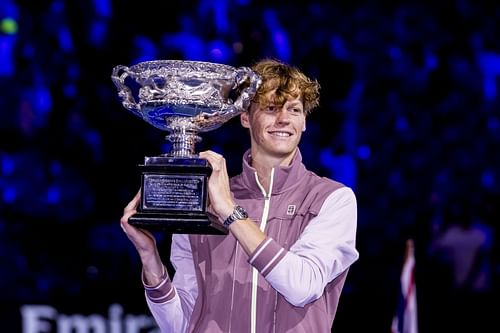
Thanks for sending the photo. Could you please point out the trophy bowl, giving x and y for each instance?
(184, 98)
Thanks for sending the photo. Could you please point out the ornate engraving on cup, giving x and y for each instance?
(184, 98)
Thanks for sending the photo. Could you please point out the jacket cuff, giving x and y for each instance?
(266, 256)
(162, 292)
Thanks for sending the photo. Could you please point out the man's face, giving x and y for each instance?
(275, 131)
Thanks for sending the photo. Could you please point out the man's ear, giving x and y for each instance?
(244, 119)
(304, 128)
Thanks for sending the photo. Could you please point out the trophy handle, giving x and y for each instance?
(243, 74)
(120, 73)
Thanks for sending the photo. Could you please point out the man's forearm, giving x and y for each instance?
(248, 234)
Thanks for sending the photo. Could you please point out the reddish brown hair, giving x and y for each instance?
(288, 81)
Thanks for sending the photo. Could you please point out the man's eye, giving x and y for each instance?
(271, 108)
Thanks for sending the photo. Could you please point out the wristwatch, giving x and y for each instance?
(239, 213)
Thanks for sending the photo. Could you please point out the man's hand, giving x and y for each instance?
(145, 244)
(221, 201)
(219, 193)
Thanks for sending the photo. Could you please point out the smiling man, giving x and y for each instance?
(292, 233)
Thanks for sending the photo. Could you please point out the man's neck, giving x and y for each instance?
(264, 175)
(264, 166)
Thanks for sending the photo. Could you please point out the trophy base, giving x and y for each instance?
(188, 223)
(174, 196)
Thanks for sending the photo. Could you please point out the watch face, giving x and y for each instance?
(241, 212)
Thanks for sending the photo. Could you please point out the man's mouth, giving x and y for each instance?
(280, 133)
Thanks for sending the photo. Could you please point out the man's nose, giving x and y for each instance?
(283, 115)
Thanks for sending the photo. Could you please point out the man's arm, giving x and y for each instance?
(325, 249)
(171, 302)
(222, 204)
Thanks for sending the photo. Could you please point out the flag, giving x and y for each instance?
(406, 320)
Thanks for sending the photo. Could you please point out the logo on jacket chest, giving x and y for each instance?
(291, 209)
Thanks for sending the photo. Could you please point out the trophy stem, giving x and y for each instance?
(183, 142)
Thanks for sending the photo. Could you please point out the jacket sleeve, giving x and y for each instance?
(325, 249)
(171, 302)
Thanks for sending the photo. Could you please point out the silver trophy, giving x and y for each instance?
(183, 98)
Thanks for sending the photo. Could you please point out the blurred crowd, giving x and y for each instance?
(409, 118)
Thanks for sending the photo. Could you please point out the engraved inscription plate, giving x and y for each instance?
(173, 192)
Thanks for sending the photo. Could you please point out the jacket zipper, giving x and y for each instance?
(255, 272)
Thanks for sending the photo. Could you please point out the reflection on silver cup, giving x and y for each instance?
(184, 98)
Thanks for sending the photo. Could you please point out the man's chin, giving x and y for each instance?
(285, 153)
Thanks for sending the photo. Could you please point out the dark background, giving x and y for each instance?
(409, 118)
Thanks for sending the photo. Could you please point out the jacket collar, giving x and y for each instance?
(284, 178)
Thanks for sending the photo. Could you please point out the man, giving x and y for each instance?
(291, 239)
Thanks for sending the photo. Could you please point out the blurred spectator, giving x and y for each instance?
(464, 249)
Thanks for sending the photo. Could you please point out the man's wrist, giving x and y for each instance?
(152, 278)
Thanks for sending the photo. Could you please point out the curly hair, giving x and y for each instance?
(288, 81)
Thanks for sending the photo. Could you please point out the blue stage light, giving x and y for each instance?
(364, 152)
(8, 165)
(7, 64)
(53, 194)
(9, 194)
(103, 8)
